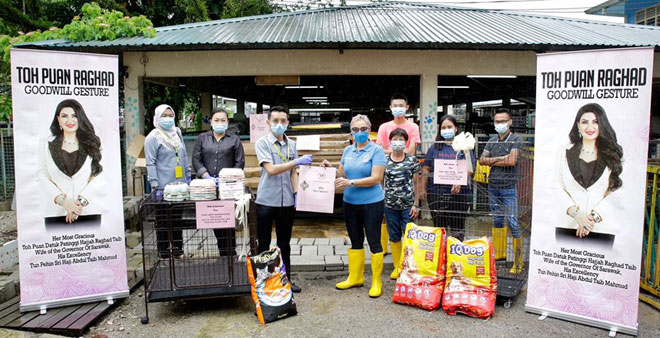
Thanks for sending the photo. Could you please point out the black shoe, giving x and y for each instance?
(295, 288)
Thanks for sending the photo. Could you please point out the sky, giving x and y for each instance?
(565, 8)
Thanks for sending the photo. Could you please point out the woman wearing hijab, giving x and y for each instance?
(167, 162)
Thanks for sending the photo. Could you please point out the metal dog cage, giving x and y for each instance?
(471, 213)
(183, 262)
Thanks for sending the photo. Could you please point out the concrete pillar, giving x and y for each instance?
(133, 121)
(428, 91)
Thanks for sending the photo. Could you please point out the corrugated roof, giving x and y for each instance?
(402, 25)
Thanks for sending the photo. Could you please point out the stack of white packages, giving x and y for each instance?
(203, 190)
(231, 183)
(176, 192)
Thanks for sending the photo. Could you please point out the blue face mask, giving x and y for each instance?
(278, 129)
(448, 134)
(398, 111)
(220, 128)
(361, 136)
(166, 122)
(501, 128)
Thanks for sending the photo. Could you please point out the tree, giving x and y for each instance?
(239, 8)
(95, 23)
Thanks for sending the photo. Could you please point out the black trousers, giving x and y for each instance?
(283, 219)
(168, 219)
(226, 239)
(449, 211)
(361, 218)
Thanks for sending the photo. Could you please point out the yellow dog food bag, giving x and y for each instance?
(471, 278)
(422, 276)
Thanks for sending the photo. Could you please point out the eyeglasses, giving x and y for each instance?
(501, 121)
(356, 129)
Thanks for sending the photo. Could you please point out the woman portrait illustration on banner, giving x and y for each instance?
(588, 178)
(70, 165)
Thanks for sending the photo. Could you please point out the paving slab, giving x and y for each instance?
(309, 251)
(306, 241)
(321, 241)
(307, 263)
(333, 263)
(295, 250)
(342, 249)
(337, 241)
(325, 250)
(294, 241)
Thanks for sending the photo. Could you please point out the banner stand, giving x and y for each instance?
(601, 324)
(44, 306)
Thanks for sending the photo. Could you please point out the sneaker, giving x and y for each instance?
(295, 288)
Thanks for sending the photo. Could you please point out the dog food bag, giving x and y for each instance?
(422, 276)
(271, 290)
(471, 278)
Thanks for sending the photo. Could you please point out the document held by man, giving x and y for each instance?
(316, 189)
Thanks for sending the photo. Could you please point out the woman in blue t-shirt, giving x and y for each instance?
(448, 203)
(360, 174)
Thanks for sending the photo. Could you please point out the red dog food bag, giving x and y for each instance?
(422, 276)
(471, 278)
(271, 290)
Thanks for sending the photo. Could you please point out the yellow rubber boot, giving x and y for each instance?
(396, 259)
(384, 236)
(376, 270)
(518, 256)
(499, 243)
(355, 270)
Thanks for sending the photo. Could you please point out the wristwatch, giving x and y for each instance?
(352, 183)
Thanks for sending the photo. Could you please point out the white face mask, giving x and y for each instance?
(398, 145)
(398, 111)
(501, 128)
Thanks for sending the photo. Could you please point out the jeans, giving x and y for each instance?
(396, 222)
(361, 218)
(505, 202)
(450, 210)
(283, 218)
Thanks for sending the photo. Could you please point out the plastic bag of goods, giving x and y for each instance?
(271, 289)
(422, 276)
(471, 278)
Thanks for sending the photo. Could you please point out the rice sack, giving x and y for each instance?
(271, 289)
(471, 278)
(422, 276)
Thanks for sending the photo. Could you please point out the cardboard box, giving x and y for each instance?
(136, 150)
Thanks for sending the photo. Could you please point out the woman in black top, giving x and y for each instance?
(214, 151)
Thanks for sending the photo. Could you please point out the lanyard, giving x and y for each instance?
(176, 150)
(280, 153)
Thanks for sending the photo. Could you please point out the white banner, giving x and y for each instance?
(68, 178)
(592, 130)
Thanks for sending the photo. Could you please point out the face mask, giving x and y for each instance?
(448, 134)
(398, 145)
(501, 128)
(278, 129)
(220, 128)
(398, 111)
(361, 136)
(166, 122)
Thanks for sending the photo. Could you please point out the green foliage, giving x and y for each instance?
(95, 23)
(240, 8)
(195, 10)
(184, 102)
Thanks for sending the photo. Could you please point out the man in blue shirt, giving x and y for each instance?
(278, 158)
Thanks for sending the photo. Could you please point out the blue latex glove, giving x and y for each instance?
(295, 201)
(209, 177)
(159, 195)
(304, 160)
(188, 180)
